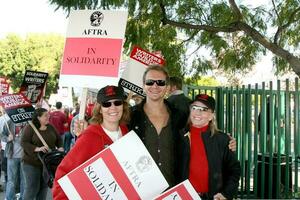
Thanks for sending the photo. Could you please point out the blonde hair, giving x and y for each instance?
(213, 126)
(97, 117)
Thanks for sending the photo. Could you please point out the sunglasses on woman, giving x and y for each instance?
(151, 82)
(200, 108)
(109, 103)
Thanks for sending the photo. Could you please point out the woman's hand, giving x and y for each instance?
(61, 149)
(219, 196)
(44, 149)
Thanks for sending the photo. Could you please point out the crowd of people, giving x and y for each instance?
(180, 134)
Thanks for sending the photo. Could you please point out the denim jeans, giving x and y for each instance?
(68, 140)
(14, 176)
(35, 186)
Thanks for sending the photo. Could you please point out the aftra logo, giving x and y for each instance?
(96, 18)
(144, 163)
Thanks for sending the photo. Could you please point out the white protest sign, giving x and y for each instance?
(182, 191)
(133, 73)
(93, 48)
(124, 170)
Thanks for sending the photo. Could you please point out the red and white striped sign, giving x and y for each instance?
(124, 170)
(93, 48)
(182, 191)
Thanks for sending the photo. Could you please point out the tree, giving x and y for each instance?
(235, 35)
(38, 52)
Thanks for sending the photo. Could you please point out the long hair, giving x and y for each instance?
(213, 126)
(38, 113)
(97, 117)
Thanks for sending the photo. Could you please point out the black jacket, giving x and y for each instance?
(178, 121)
(224, 168)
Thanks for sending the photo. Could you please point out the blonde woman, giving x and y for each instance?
(207, 161)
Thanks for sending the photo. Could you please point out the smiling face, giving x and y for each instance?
(112, 111)
(155, 92)
(200, 115)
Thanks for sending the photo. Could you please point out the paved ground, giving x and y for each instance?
(2, 194)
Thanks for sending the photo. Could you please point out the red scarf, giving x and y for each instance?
(198, 173)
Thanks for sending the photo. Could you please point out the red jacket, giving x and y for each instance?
(90, 142)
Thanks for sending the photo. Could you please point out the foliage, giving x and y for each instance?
(234, 35)
(35, 52)
(203, 81)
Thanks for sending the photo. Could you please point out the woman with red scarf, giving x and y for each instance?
(207, 161)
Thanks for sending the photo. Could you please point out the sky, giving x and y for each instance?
(30, 16)
(38, 16)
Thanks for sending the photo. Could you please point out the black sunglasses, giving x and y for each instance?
(200, 108)
(108, 103)
(151, 82)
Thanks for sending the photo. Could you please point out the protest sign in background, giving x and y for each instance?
(139, 60)
(182, 191)
(124, 170)
(17, 107)
(4, 86)
(93, 48)
(33, 85)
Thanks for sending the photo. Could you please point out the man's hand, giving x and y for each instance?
(219, 196)
(232, 143)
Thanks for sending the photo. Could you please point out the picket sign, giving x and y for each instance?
(38, 134)
(182, 191)
(124, 170)
(83, 103)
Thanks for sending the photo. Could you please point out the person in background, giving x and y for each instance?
(3, 119)
(177, 97)
(206, 160)
(13, 153)
(58, 119)
(68, 136)
(137, 99)
(32, 168)
(76, 109)
(108, 124)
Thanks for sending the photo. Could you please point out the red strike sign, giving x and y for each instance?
(145, 57)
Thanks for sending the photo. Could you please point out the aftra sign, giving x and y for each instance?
(182, 191)
(93, 48)
(124, 170)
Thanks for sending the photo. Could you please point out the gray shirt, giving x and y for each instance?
(13, 148)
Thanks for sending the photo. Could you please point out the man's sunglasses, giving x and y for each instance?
(151, 82)
(109, 103)
(200, 108)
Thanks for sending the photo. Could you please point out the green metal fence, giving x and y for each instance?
(264, 119)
